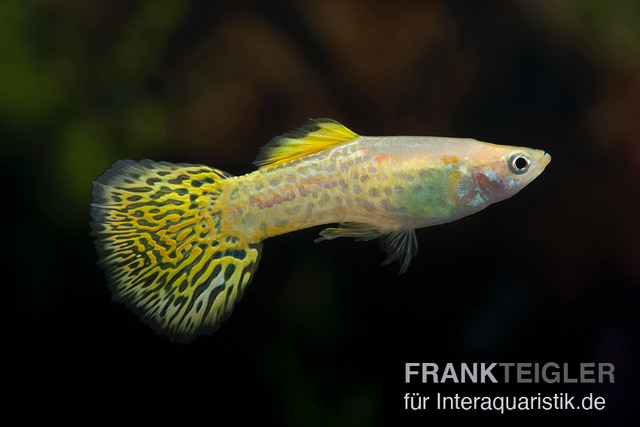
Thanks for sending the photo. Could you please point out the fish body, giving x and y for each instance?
(181, 242)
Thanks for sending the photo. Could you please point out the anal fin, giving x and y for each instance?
(400, 245)
(359, 231)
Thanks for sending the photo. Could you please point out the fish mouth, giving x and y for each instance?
(546, 158)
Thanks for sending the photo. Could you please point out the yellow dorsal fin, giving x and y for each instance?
(313, 136)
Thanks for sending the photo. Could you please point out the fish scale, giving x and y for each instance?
(311, 192)
(181, 242)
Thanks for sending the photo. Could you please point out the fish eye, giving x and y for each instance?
(519, 163)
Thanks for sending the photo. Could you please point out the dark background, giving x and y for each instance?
(323, 332)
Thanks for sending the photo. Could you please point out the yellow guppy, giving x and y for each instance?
(180, 242)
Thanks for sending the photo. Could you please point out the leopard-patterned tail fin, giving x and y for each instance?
(157, 228)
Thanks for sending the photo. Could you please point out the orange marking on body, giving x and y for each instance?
(273, 199)
(382, 157)
(253, 200)
(450, 159)
(302, 191)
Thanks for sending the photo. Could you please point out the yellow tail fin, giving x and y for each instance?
(157, 229)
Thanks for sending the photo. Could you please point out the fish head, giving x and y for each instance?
(438, 180)
(499, 172)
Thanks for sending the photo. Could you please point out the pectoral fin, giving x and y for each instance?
(400, 245)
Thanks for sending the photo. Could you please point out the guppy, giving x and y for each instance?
(180, 242)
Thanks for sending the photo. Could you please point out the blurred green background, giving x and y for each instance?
(322, 334)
